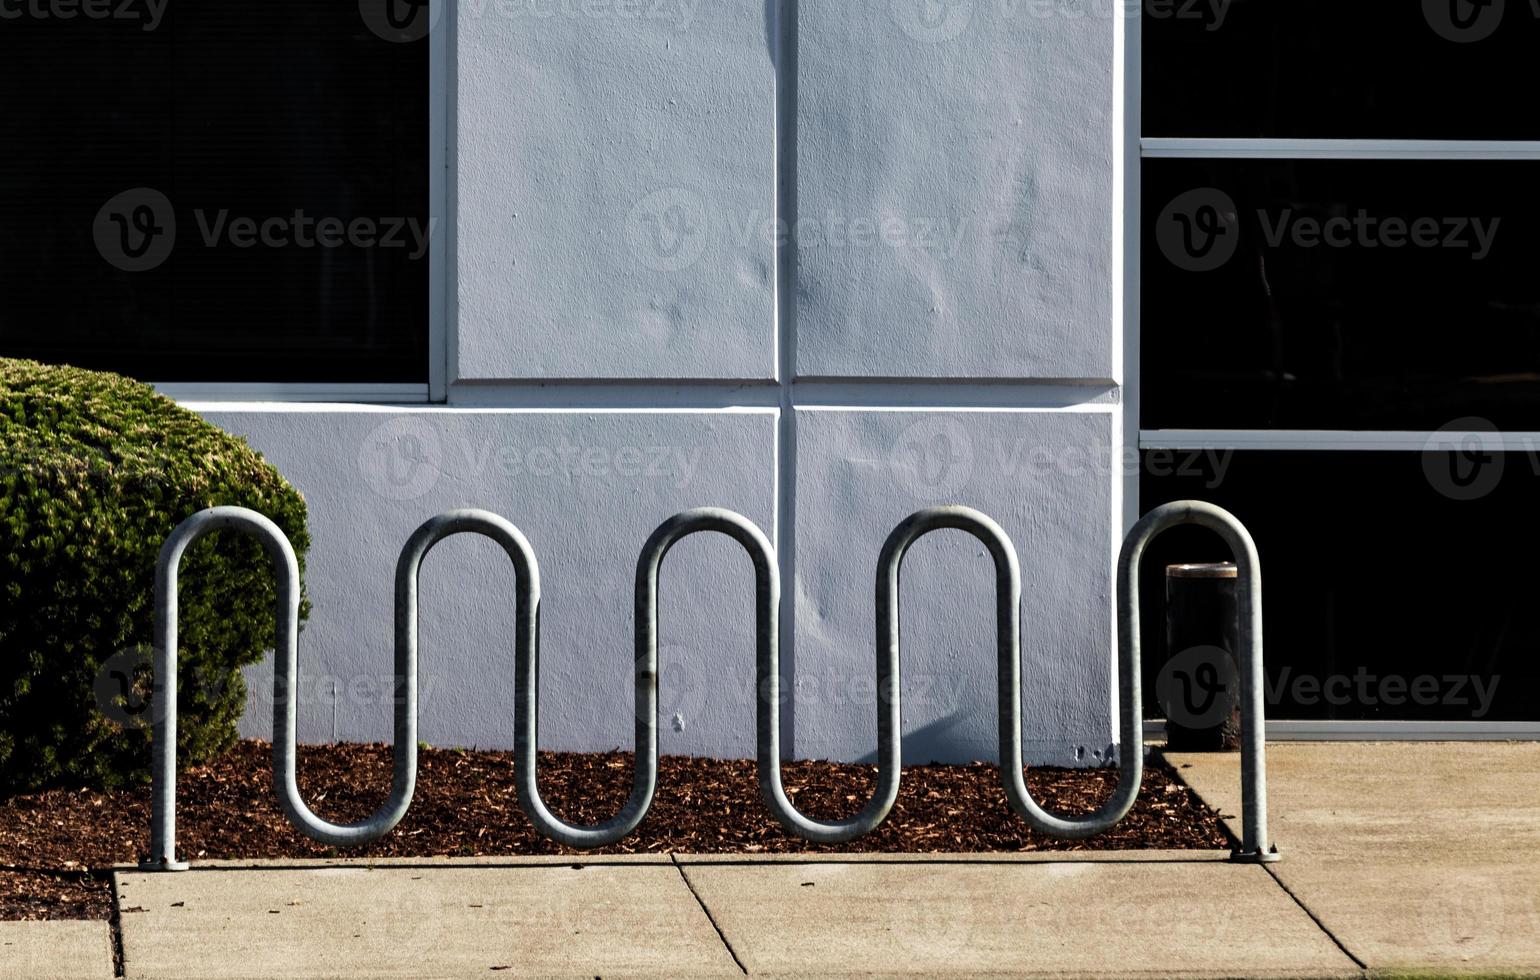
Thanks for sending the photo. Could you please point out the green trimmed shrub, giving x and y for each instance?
(95, 471)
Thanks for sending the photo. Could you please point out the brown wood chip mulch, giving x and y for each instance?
(55, 846)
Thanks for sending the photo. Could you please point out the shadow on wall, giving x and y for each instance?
(773, 31)
(936, 740)
(941, 742)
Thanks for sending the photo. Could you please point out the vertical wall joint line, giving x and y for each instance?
(783, 27)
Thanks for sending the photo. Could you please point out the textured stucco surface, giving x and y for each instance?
(1040, 476)
(615, 174)
(586, 525)
(954, 189)
(370, 478)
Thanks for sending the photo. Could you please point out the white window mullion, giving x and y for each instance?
(1315, 440)
(1313, 149)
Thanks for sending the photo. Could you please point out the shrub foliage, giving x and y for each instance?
(95, 472)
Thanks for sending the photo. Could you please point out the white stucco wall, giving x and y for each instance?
(607, 170)
(979, 135)
(623, 344)
(587, 489)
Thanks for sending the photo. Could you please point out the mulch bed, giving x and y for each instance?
(55, 846)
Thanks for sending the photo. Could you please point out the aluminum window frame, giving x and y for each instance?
(436, 389)
(1137, 148)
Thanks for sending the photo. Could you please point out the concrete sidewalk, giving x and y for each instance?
(1421, 858)
(1162, 914)
(1397, 859)
(56, 950)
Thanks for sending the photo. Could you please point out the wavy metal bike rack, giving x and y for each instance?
(767, 588)
(1256, 846)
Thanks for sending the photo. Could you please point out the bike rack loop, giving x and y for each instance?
(1008, 680)
(285, 672)
(1255, 844)
(767, 644)
(767, 600)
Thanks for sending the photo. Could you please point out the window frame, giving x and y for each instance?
(214, 394)
(1136, 149)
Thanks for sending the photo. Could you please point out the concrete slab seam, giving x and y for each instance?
(709, 917)
(1273, 873)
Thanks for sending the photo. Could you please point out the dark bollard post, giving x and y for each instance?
(1199, 685)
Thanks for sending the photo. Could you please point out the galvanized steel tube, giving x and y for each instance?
(1255, 845)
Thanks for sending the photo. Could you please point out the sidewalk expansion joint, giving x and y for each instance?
(115, 928)
(1272, 873)
(709, 917)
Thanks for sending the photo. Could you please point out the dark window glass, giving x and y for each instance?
(1383, 569)
(1436, 69)
(1340, 294)
(286, 140)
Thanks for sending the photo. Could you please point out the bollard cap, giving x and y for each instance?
(1218, 569)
